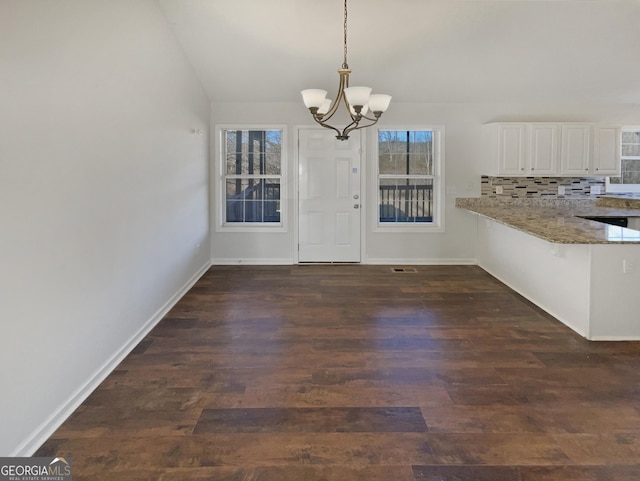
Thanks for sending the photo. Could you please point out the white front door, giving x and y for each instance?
(329, 197)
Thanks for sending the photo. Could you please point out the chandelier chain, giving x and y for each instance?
(345, 65)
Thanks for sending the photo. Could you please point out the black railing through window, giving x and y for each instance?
(406, 203)
(260, 202)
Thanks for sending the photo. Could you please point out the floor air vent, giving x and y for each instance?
(404, 270)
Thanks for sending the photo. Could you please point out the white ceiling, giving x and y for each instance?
(415, 50)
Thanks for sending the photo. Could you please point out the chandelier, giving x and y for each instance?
(359, 101)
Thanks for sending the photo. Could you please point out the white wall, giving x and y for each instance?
(463, 136)
(453, 246)
(461, 179)
(255, 247)
(103, 197)
(615, 304)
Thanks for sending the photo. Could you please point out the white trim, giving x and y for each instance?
(409, 227)
(219, 203)
(251, 227)
(268, 261)
(614, 338)
(364, 198)
(39, 435)
(589, 293)
(423, 261)
(296, 190)
(372, 261)
(296, 186)
(438, 224)
(622, 188)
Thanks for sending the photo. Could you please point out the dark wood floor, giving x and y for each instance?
(358, 373)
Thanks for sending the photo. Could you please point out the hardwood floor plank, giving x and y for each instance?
(557, 417)
(471, 473)
(581, 473)
(498, 449)
(290, 473)
(313, 420)
(123, 452)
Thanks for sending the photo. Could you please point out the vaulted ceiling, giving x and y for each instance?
(415, 50)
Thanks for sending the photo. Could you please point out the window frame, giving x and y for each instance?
(221, 176)
(623, 188)
(437, 223)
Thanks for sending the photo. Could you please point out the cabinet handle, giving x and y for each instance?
(597, 169)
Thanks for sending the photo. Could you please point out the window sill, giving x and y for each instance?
(262, 228)
(409, 227)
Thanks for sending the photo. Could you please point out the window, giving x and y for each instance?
(252, 165)
(409, 178)
(629, 181)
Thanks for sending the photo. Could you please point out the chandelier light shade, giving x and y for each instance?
(358, 101)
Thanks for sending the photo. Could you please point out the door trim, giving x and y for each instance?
(295, 208)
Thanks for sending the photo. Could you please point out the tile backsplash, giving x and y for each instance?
(542, 187)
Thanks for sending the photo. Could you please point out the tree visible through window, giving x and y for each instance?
(629, 180)
(406, 175)
(252, 179)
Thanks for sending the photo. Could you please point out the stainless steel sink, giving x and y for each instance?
(619, 221)
(628, 222)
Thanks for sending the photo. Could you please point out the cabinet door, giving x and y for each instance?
(512, 148)
(575, 149)
(606, 151)
(544, 149)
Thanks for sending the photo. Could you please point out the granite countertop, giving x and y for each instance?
(556, 220)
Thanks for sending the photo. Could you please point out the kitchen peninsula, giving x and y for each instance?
(583, 272)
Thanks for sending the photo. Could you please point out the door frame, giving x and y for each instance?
(296, 190)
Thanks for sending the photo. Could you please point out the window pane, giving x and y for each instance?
(406, 200)
(630, 143)
(253, 152)
(405, 152)
(253, 200)
(631, 171)
(631, 150)
(253, 164)
(272, 166)
(630, 159)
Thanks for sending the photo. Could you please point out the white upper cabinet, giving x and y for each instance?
(543, 149)
(590, 150)
(512, 148)
(606, 151)
(552, 149)
(576, 139)
(523, 149)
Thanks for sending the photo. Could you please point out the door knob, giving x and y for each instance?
(356, 196)
(356, 206)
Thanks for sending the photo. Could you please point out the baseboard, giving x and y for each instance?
(614, 338)
(51, 424)
(376, 261)
(287, 261)
(425, 262)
